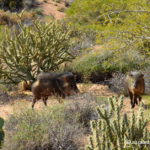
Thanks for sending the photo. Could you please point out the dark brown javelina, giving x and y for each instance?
(58, 84)
(134, 83)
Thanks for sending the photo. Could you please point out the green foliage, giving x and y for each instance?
(108, 61)
(40, 47)
(107, 13)
(120, 23)
(114, 130)
(1, 131)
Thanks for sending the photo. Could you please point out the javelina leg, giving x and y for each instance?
(131, 95)
(131, 99)
(33, 102)
(45, 100)
(140, 98)
(59, 96)
(135, 99)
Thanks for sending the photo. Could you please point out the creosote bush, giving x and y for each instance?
(114, 129)
(41, 47)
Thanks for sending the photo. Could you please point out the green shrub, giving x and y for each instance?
(118, 131)
(124, 23)
(46, 129)
(107, 61)
(40, 47)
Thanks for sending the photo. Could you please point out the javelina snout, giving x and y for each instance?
(135, 85)
(69, 84)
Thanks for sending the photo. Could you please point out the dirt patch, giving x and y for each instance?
(96, 89)
(52, 8)
(88, 91)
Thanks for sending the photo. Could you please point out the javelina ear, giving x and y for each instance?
(142, 75)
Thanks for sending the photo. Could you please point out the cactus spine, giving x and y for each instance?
(114, 129)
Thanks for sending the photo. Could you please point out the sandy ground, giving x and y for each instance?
(52, 8)
(24, 99)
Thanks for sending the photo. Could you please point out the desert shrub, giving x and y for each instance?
(15, 5)
(47, 129)
(59, 127)
(84, 40)
(116, 83)
(84, 110)
(97, 13)
(115, 130)
(146, 73)
(33, 49)
(4, 96)
(11, 18)
(121, 23)
(103, 62)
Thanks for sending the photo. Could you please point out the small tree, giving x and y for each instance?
(115, 131)
(40, 47)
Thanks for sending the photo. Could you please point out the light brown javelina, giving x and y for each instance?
(134, 83)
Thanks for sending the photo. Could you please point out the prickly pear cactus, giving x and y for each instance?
(1, 131)
(116, 131)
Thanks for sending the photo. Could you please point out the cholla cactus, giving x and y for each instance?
(42, 47)
(1, 131)
(114, 130)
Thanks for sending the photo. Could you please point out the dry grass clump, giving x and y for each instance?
(9, 18)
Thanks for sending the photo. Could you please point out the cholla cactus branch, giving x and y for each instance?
(114, 129)
(32, 49)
